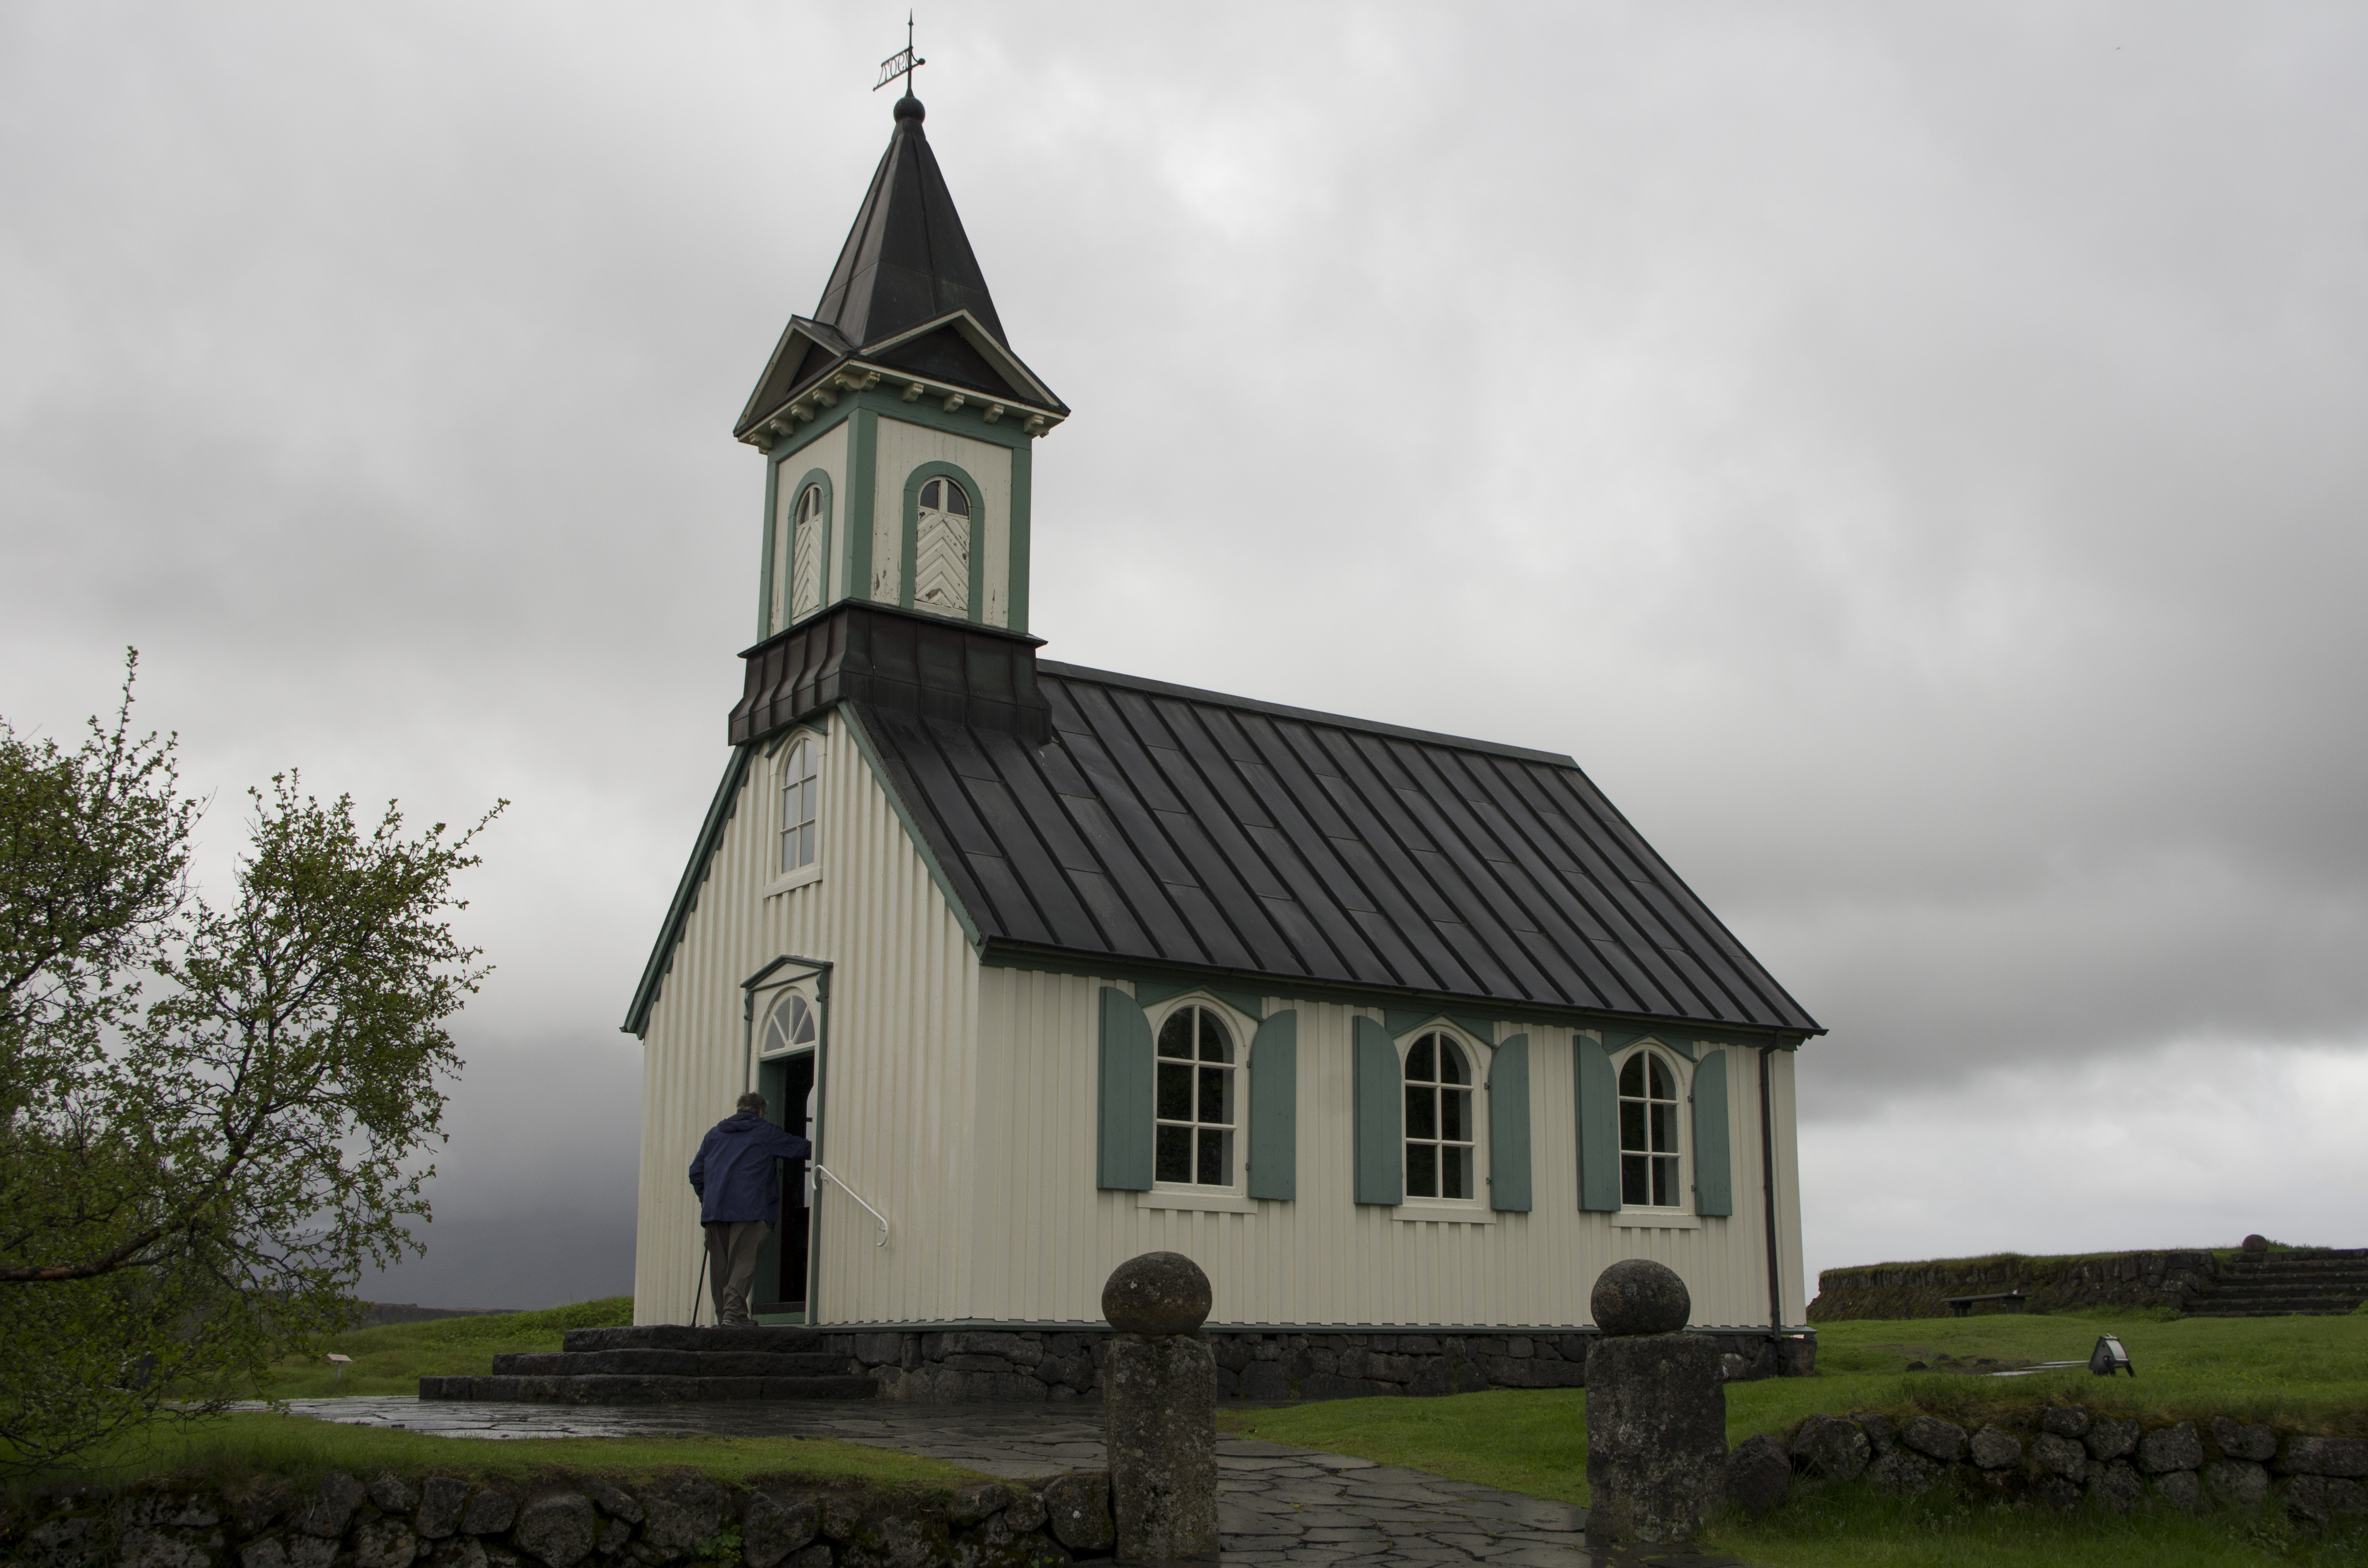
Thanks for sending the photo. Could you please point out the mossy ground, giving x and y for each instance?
(2302, 1373)
(392, 1357)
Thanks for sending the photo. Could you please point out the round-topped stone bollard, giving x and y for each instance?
(1656, 1409)
(1639, 1296)
(1159, 1293)
(1160, 1405)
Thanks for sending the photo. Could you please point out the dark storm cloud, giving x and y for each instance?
(1910, 459)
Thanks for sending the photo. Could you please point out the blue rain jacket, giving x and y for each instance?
(733, 1173)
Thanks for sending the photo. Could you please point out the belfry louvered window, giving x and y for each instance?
(805, 553)
(942, 547)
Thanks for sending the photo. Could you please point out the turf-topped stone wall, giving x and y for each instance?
(2061, 1456)
(977, 1364)
(568, 1521)
(2133, 1279)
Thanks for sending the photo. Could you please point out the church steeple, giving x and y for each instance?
(898, 424)
(907, 260)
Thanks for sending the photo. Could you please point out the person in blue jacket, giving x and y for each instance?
(740, 1200)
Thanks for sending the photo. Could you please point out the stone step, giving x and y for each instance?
(612, 1389)
(2277, 1304)
(2265, 1290)
(678, 1336)
(2329, 1311)
(671, 1364)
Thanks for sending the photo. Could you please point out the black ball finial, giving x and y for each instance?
(909, 108)
(1639, 1296)
(1157, 1293)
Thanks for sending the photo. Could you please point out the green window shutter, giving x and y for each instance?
(1122, 1141)
(1509, 1127)
(1598, 1127)
(1381, 1117)
(1274, 1108)
(1714, 1180)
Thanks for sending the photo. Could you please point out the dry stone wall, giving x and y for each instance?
(962, 1365)
(2132, 1279)
(2064, 1455)
(578, 1521)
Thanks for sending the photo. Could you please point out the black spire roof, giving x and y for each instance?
(906, 261)
(907, 295)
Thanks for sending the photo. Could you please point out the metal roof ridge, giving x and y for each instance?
(1284, 710)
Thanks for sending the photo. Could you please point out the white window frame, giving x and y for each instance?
(1475, 1209)
(776, 763)
(1679, 1216)
(803, 993)
(1234, 1198)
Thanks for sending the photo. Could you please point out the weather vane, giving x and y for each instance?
(902, 64)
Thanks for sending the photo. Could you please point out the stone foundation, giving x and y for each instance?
(956, 1365)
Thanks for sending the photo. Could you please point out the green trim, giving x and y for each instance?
(927, 413)
(1406, 1020)
(821, 575)
(765, 550)
(1509, 1127)
(1596, 1095)
(1122, 1130)
(905, 820)
(1023, 482)
(805, 436)
(1272, 1164)
(1003, 953)
(686, 893)
(910, 540)
(1151, 992)
(1681, 1040)
(1714, 1172)
(1377, 1088)
(862, 488)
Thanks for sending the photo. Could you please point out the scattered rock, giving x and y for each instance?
(2057, 1492)
(1832, 1448)
(254, 1505)
(1934, 1439)
(2064, 1421)
(1902, 1472)
(459, 1551)
(1025, 1512)
(2323, 1499)
(559, 1528)
(976, 1501)
(2255, 1245)
(2059, 1456)
(66, 1543)
(441, 1498)
(1758, 1474)
(1638, 1296)
(683, 1512)
(775, 1527)
(393, 1494)
(609, 1500)
(839, 1518)
(2326, 1456)
(1878, 1428)
(2168, 1449)
(2241, 1481)
(141, 1548)
(384, 1542)
(2111, 1438)
(2181, 1489)
(489, 1513)
(1157, 1293)
(295, 1550)
(1994, 1449)
(330, 1509)
(1078, 1509)
(2116, 1483)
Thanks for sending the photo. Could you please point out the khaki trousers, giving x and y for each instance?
(731, 1249)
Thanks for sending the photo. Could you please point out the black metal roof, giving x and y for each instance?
(1174, 828)
(907, 260)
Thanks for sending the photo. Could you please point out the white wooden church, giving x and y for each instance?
(1057, 965)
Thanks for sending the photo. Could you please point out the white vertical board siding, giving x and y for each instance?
(898, 1069)
(1047, 1238)
(828, 453)
(1788, 1188)
(904, 447)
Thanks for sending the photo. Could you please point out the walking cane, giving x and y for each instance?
(698, 1292)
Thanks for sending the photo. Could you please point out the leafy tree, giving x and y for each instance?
(207, 1116)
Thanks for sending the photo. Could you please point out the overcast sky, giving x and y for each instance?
(1913, 457)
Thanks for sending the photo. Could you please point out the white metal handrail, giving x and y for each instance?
(823, 1175)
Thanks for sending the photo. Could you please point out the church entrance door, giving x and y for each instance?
(786, 1083)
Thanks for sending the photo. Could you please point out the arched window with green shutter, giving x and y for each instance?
(1598, 1095)
(1274, 1108)
(1713, 1176)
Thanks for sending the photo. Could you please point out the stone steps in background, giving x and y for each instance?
(601, 1389)
(678, 1337)
(2328, 1283)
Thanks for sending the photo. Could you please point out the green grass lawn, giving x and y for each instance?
(391, 1359)
(2306, 1373)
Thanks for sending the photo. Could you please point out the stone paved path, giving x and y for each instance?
(1278, 1505)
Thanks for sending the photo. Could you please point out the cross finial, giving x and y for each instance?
(902, 64)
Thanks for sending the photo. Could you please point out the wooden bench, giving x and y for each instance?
(1959, 1306)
